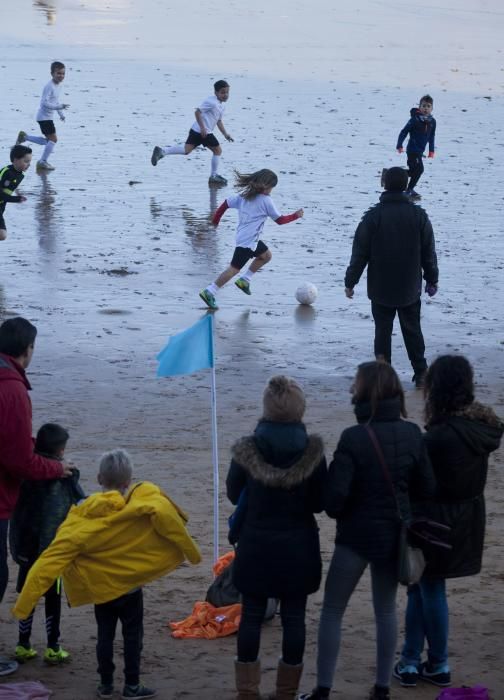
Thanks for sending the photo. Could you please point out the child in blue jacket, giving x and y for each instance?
(422, 130)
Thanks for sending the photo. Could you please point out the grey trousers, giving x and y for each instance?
(344, 573)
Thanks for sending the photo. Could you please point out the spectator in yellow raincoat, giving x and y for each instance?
(109, 546)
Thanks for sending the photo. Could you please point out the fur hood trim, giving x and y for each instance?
(246, 454)
(480, 412)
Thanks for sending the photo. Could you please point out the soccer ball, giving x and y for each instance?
(306, 293)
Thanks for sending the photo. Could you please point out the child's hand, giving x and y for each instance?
(22, 198)
(300, 213)
(65, 106)
(62, 117)
(431, 154)
(400, 149)
(67, 469)
(228, 137)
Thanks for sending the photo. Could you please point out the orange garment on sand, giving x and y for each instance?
(207, 622)
(223, 563)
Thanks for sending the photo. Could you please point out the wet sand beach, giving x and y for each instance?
(108, 254)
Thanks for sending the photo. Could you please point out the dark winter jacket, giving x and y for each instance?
(358, 494)
(458, 447)
(395, 240)
(17, 458)
(421, 130)
(41, 508)
(284, 471)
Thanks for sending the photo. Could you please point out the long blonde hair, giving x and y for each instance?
(251, 184)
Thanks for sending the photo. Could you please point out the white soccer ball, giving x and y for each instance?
(306, 293)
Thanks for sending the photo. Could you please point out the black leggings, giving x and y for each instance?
(415, 168)
(292, 614)
(52, 613)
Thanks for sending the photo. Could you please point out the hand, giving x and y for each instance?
(228, 137)
(65, 106)
(67, 470)
(400, 149)
(300, 213)
(204, 133)
(22, 198)
(431, 289)
(349, 292)
(431, 154)
(62, 117)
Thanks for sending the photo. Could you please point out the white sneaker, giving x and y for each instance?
(44, 165)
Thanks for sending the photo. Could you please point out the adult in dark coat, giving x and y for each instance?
(283, 470)
(396, 241)
(359, 496)
(461, 433)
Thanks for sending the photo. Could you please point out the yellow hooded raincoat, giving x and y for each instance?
(109, 545)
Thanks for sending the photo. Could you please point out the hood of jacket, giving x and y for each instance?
(415, 113)
(479, 427)
(271, 459)
(11, 371)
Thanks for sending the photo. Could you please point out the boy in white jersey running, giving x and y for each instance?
(254, 206)
(49, 103)
(208, 115)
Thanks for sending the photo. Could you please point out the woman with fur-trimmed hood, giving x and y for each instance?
(461, 434)
(283, 470)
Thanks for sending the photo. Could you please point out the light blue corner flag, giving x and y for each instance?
(188, 351)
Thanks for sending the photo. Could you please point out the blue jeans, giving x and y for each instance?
(426, 619)
(344, 573)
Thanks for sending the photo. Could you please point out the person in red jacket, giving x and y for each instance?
(18, 460)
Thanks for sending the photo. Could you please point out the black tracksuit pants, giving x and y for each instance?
(409, 318)
(129, 610)
(415, 168)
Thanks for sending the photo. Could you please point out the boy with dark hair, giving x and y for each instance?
(422, 130)
(11, 177)
(40, 510)
(49, 103)
(208, 115)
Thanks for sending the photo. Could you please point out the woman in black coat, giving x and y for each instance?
(360, 497)
(461, 433)
(283, 470)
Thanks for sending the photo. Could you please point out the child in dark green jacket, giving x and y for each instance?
(41, 508)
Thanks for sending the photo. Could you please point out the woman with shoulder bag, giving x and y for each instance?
(461, 433)
(284, 471)
(360, 498)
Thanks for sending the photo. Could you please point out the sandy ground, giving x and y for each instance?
(108, 254)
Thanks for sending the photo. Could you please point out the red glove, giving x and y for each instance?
(400, 149)
(431, 154)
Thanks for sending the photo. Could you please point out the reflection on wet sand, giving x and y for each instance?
(305, 315)
(49, 8)
(46, 224)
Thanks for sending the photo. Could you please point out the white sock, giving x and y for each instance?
(47, 150)
(36, 139)
(248, 275)
(215, 165)
(174, 151)
(212, 288)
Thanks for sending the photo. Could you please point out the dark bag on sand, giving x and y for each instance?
(410, 559)
(223, 592)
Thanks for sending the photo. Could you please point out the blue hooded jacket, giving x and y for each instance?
(421, 131)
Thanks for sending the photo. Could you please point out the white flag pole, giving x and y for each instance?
(215, 452)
